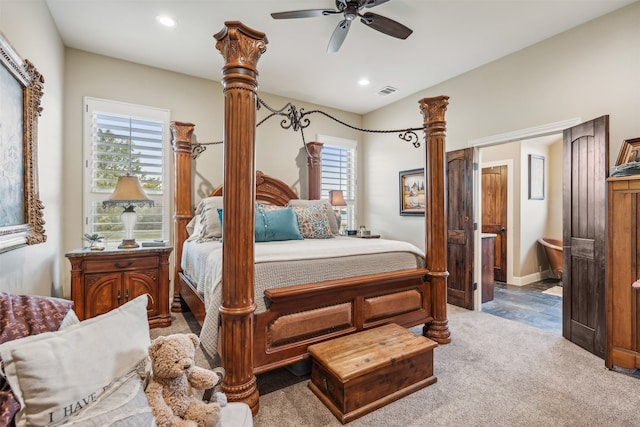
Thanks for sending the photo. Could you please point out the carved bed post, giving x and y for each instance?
(314, 165)
(433, 110)
(182, 203)
(241, 48)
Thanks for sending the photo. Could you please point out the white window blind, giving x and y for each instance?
(339, 173)
(123, 139)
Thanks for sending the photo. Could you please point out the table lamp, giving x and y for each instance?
(128, 193)
(336, 198)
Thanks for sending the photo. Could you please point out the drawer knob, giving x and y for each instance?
(124, 264)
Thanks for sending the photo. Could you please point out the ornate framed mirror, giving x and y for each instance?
(21, 211)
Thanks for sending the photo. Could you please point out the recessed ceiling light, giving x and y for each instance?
(166, 20)
(364, 82)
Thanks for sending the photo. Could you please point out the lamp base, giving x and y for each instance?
(128, 244)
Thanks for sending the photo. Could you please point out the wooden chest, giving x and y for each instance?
(359, 373)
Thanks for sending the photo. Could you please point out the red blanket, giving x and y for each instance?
(21, 316)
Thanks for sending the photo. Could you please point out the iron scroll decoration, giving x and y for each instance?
(297, 120)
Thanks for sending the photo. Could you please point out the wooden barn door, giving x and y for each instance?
(460, 253)
(586, 159)
(494, 215)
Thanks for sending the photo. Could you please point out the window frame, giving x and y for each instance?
(92, 105)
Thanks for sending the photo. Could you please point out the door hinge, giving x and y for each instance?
(475, 286)
(475, 226)
(475, 166)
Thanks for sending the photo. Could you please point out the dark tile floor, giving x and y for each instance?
(527, 304)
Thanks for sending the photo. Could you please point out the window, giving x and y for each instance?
(339, 173)
(119, 139)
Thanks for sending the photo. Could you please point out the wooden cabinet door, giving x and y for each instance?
(460, 285)
(103, 293)
(623, 301)
(494, 215)
(138, 283)
(586, 162)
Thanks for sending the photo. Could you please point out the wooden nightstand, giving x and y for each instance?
(104, 280)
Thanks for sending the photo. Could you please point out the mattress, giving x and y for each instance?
(292, 262)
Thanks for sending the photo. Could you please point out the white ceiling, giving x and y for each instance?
(449, 38)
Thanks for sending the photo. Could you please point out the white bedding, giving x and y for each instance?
(202, 262)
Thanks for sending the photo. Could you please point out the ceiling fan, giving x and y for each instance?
(350, 9)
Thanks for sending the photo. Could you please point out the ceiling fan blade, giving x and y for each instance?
(338, 36)
(372, 3)
(310, 13)
(386, 25)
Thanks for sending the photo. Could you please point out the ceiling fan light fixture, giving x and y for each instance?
(350, 10)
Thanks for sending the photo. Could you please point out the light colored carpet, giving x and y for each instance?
(556, 290)
(495, 372)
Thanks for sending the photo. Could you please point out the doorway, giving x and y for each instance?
(529, 294)
(528, 280)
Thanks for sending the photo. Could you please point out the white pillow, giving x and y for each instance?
(195, 228)
(209, 219)
(123, 404)
(54, 375)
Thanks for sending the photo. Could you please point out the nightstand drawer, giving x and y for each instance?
(121, 264)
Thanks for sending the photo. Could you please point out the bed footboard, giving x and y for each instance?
(299, 316)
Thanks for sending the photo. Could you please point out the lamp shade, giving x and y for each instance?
(336, 198)
(128, 191)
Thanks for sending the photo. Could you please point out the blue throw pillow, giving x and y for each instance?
(279, 224)
(274, 225)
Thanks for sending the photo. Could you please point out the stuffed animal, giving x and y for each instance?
(174, 373)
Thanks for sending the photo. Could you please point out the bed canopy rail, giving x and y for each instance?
(241, 48)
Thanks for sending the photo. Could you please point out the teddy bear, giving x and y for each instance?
(173, 376)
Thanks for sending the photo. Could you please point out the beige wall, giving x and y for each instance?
(533, 216)
(584, 73)
(554, 223)
(29, 28)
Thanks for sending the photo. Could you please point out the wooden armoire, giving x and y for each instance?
(623, 268)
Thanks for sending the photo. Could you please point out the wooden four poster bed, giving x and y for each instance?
(249, 342)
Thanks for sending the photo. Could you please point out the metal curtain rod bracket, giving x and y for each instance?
(297, 120)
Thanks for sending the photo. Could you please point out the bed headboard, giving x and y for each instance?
(269, 190)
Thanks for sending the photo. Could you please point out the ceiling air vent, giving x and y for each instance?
(387, 90)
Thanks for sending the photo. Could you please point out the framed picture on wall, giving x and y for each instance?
(412, 197)
(536, 177)
(21, 211)
(629, 152)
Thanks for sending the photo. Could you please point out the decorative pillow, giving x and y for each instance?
(331, 217)
(209, 220)
(276, 224)
(21, 316)
(123, 404)
(55, 375)
(195, 228)
(313, 222)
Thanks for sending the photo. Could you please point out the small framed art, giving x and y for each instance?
(536, 177)
(412, 197)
